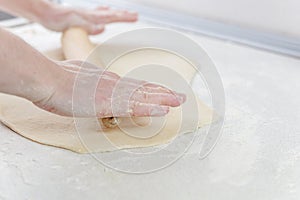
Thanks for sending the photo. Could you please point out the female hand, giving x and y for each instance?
(60, 18)
(105, 94)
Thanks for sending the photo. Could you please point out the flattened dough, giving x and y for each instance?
(86, 136)
(40, 126)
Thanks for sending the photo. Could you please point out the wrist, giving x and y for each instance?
(55, 91)
(42, 84)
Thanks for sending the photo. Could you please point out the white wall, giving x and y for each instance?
(279, 16)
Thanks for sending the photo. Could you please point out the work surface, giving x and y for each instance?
(257, 156)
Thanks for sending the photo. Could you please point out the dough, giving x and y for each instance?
(46, 128)
(84, 135)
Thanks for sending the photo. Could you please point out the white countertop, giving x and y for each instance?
(257, 157)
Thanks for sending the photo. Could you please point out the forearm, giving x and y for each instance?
(24, 71)
(31, 9)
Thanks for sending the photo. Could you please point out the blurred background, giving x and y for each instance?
(275, 16)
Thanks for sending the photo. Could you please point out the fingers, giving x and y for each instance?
(93, 21)
(125, 97)
(137, 109)
(148, 110)
(105, 16)
(166, 99)
(150, 93)
(117, 16)
(140, 110)
(143, 102)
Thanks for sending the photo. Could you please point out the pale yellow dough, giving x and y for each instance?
(85, 135)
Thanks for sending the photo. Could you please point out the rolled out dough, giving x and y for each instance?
(84, 135)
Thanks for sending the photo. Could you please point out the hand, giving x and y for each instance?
(60, 18)
(112, 96)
